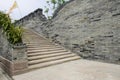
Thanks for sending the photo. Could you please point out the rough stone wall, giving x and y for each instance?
(12, 52)
(4, 47)
(90, 28)
(0, 43)
(34, 19)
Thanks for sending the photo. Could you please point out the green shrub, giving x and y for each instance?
(13, 33)
(5, 21)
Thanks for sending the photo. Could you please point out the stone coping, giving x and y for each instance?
(18, 45)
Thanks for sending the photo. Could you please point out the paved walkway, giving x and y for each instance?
(3, 75)
(74, 70)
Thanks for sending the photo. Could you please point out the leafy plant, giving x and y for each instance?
(5, 21)
(13, 33)
(53, 5)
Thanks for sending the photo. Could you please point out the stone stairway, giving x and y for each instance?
(43, 53)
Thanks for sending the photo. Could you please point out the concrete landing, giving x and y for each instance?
(74, 70)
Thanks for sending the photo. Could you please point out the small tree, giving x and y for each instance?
(53, 5)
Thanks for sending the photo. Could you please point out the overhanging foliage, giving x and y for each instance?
(13, 33)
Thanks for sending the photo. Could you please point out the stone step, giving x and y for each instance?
(50, 59)
(43, 53)
(43, 47)
(44, 43)
(31, 36)
(30, 58)
(34, 40)
(27, 33)
(50, 63)
(44, 50)
(31, 40)
(39, 48)
(33, 46)
(37, 42)
(40, 43)
(34, 37)
(46, 53)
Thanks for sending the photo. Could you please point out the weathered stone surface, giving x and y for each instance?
(12, 57)
(0, 43)
(4, 75)
(4, 46)
(33, 20)
(11, 52)
(90, 28)
(19, 53)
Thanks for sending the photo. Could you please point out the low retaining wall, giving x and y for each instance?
(6, 65)
(13, 58)
(13, 68)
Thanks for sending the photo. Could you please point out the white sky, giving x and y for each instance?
(25, 7)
